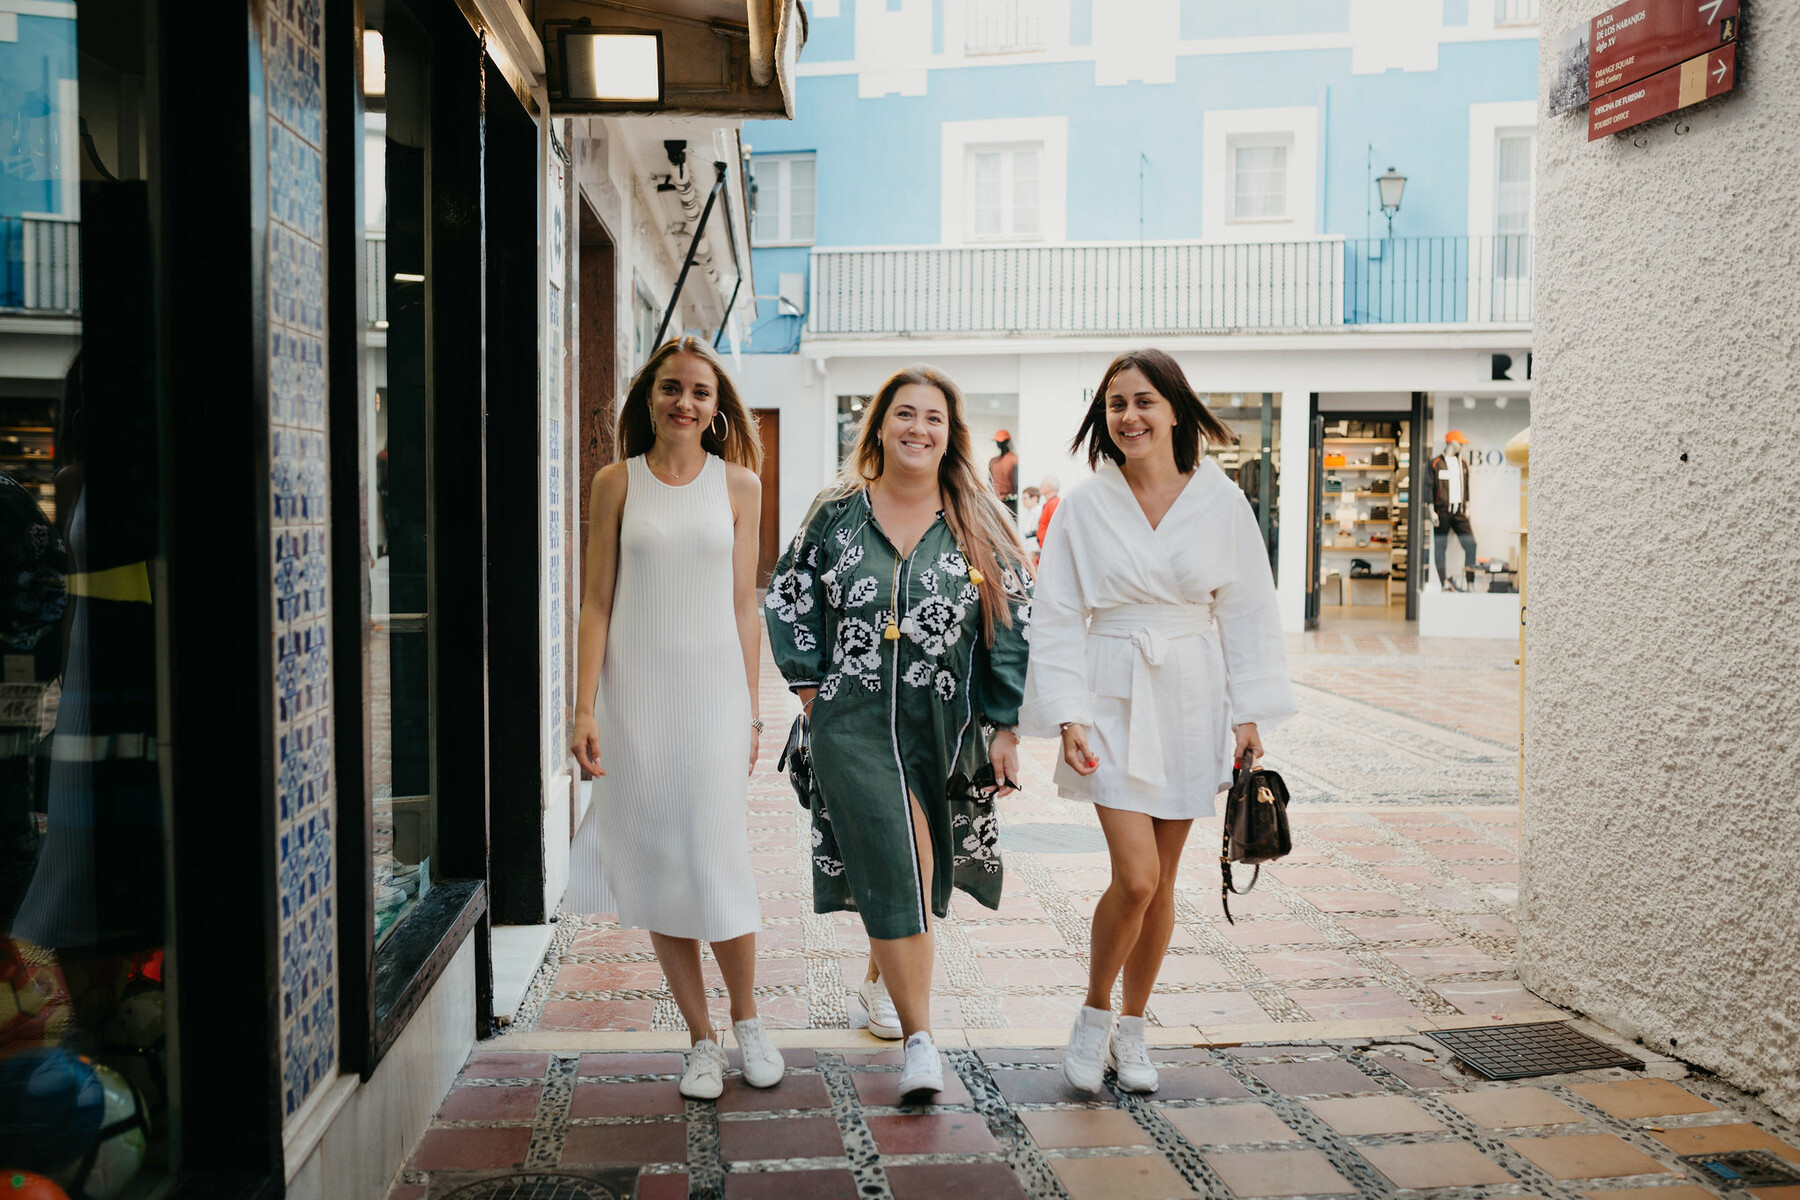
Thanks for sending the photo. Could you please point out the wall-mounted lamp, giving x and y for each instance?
(1392, 187)
(601, 67)
(374, 63)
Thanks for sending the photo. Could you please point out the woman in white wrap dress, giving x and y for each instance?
(1157, 658)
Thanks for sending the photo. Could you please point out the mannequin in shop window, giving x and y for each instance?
(1450, 508)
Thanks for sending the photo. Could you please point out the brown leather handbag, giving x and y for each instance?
(1255, 829)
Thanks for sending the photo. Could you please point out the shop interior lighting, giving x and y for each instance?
(403, 277)
(1499, 401)
(374, 64)
(606, 66)
(1468, 402)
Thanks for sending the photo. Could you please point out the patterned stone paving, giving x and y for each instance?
(1371, 1118)
(1396, 904)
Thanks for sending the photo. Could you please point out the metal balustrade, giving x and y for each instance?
(43, 265)
(1169, 288)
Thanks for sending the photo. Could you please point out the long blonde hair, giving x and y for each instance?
(982, 529)
(742, 441)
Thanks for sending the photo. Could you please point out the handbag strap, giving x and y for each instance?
(1227, 888)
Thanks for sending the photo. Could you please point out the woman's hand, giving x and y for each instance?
(755, 747)
(1003, 753)
(1248, 742)
(1075, 750)
(584, 744)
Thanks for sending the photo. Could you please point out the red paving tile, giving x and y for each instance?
(506, 1066)
(794, 1091)
(583, 1015)
(1206, 1008)
(662, 1098)
(1355, 1004)
(932, 1133)
(597, 1145)
(964, 1181)
(471, 1149)
(792, 1137)
(1327, 1077)
(881, 1089)
(673, 1186)
(1444, 960)
(1270, 933)
(629, 1064)
(1395, 929)
(788, 1185)
(1308, 964)
(490, 1104)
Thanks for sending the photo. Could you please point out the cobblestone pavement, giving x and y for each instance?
(1384, 1119)
(1291, 1044)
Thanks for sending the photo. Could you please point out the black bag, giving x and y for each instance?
(1255, 830)
(796, 760)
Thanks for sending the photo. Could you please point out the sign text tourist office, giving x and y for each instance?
(347, 339)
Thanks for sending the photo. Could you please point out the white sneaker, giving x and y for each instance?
(1084, 1062)
(704, 1077)
(884, 1018)
(1130, 1058)
(763, 1064)
(924, 1072)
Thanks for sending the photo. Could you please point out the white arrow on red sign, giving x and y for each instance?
(1714, 6)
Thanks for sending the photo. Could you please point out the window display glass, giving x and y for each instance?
(395, 430)
(84, 1053)
(1364, 492)
(1253, 457)
(1473, 500)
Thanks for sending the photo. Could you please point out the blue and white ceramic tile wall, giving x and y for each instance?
(299, 561)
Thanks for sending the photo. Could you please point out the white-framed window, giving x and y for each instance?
(1002, 26)
(1004, 189)
(1259, 174)
(1259, 178)
(1512, 203)
(786, 199)
(1515, 12)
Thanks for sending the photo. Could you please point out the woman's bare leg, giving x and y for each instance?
(1146, 957)
(905, 963)
(737, 963)
(1119, 917)
(680, 959)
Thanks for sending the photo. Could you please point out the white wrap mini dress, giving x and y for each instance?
(668, 825)
(1160, 641)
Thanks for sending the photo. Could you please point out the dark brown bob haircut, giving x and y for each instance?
(1193, 420)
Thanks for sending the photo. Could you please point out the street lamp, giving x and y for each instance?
(1392, 186)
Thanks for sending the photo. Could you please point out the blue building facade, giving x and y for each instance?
(1018, 189)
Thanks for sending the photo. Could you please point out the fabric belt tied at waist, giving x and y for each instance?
(1150, 628)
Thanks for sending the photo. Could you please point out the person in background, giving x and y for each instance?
(1029, 501)
(669, 636)
(1157, 656)
(1049, 486)
(1003, 472)
(899, 616)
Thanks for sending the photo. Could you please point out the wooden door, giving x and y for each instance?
(769, 534)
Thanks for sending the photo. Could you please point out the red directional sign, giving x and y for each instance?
(1634, 40)
(1664, 92)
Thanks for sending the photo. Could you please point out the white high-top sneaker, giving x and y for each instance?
(1130, 1058)
(1084, 1063)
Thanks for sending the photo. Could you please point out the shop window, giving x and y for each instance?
(786, 206)
(396, 426)
(1259, 180)
(645, 317)
(83, 1024)
(1003, 196)
(850, 411)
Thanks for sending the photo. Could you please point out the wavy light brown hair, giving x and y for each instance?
(742, 441)
(983, 530)
(1193, 420)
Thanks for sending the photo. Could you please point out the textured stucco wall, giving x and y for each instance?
(1660, 887)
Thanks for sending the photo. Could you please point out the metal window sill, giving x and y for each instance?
(415, 955)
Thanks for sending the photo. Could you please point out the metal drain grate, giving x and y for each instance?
(535, 1185)
(1743, 1169)
(1521, 1051)
(1052, 839)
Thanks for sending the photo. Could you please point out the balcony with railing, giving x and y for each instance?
(42, 266)
(1002, 26)
(1170, 287)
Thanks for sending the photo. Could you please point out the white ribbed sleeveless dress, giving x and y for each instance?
(675, 717)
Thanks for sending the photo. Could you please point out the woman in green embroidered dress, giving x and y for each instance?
(900, 617)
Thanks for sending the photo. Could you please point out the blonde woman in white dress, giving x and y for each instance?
(1157, 658)
(671, 636)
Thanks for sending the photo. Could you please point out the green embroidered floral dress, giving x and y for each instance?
(895, 715)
